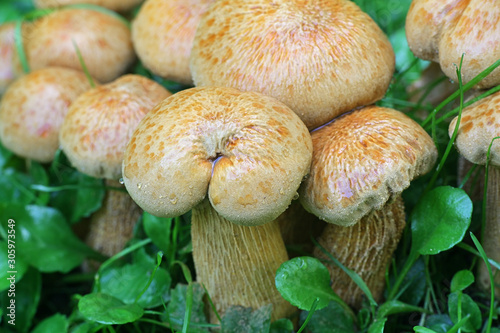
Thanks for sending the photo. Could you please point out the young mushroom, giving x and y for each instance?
(33, 108)
(236, 159)
(94, 135)
(362, 161)
(480, 123)
(444, 30)
(163, 33)
(103, 40)
(321, 58)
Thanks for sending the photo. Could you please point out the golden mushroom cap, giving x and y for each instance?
(321, 57)
(480, 123)
(103, 40)
(248, 152)
(163, 33)
(33, 108)
(443, 30)
(116, 5)
(101, 121)
(361, 160)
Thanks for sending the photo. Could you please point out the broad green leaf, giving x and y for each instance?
(176, 308)
(394, 307)
(414, 284)
(331, 319)
(18, 265)
(440, 323)
(377, 326)
(302, 280)
(440, 220)
(127, 282)
(27, 298)
(81, 201)
(39, 176)
(461, 280)
(86, 327)
(238, 319)
(421, 329)
(469, 307)
(159, 230)
(15, 187)
(106, 309)
(56, 323)
(44, 239)
(282, 325)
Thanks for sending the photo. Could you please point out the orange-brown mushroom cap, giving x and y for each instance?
(163, 33)
(443, 30)
(361, 160)
(33, 108)
(104, 42)
(480, 123)
(100, 123)
(321, 57)
(248, 151)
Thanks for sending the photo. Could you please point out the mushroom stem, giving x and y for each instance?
(366, 248)
(111, 227)
(491, 239)
(237, 264)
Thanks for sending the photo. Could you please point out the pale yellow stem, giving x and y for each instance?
(237, 264)
(366, 248)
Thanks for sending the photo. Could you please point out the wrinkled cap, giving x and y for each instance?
(441, 31)
(246, 151)
(100, 123)
(321, 58)
(163, 33)
(116, 5)
(33, 108)
(480, 123)
(103, 40)
(361, 160)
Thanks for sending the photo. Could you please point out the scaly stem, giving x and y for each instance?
(237, 264)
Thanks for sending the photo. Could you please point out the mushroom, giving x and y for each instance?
(236, 159)
(116, 5)
(33, 108)
(321, 58)
(103, 40)
(163, 33)
(479, 124)
(94, 135)
(362, 161)
(443, 30)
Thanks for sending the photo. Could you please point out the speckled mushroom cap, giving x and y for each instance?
(320, 57)
(10, 67)
(247, 151)
(163, 33)
(480, 123)
(100, 123)
(442, 30)
(116, 5)
(103, 40)
(361, 160)
(33, 108)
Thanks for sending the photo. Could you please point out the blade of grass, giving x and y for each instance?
(465, 88)
(309, 315)
(18, 41)
(212, 305)
(492, 285)
(159, 257)
(353, 275)
(82, 63)
(100, 10)
(455, 131)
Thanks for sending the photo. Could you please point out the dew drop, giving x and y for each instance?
(139, 185)
(296, 196)
(121, 181)
(173, 201)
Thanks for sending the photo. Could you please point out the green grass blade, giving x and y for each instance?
(18, 41)
(309, 315)
(100, 10)
(82, 63)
